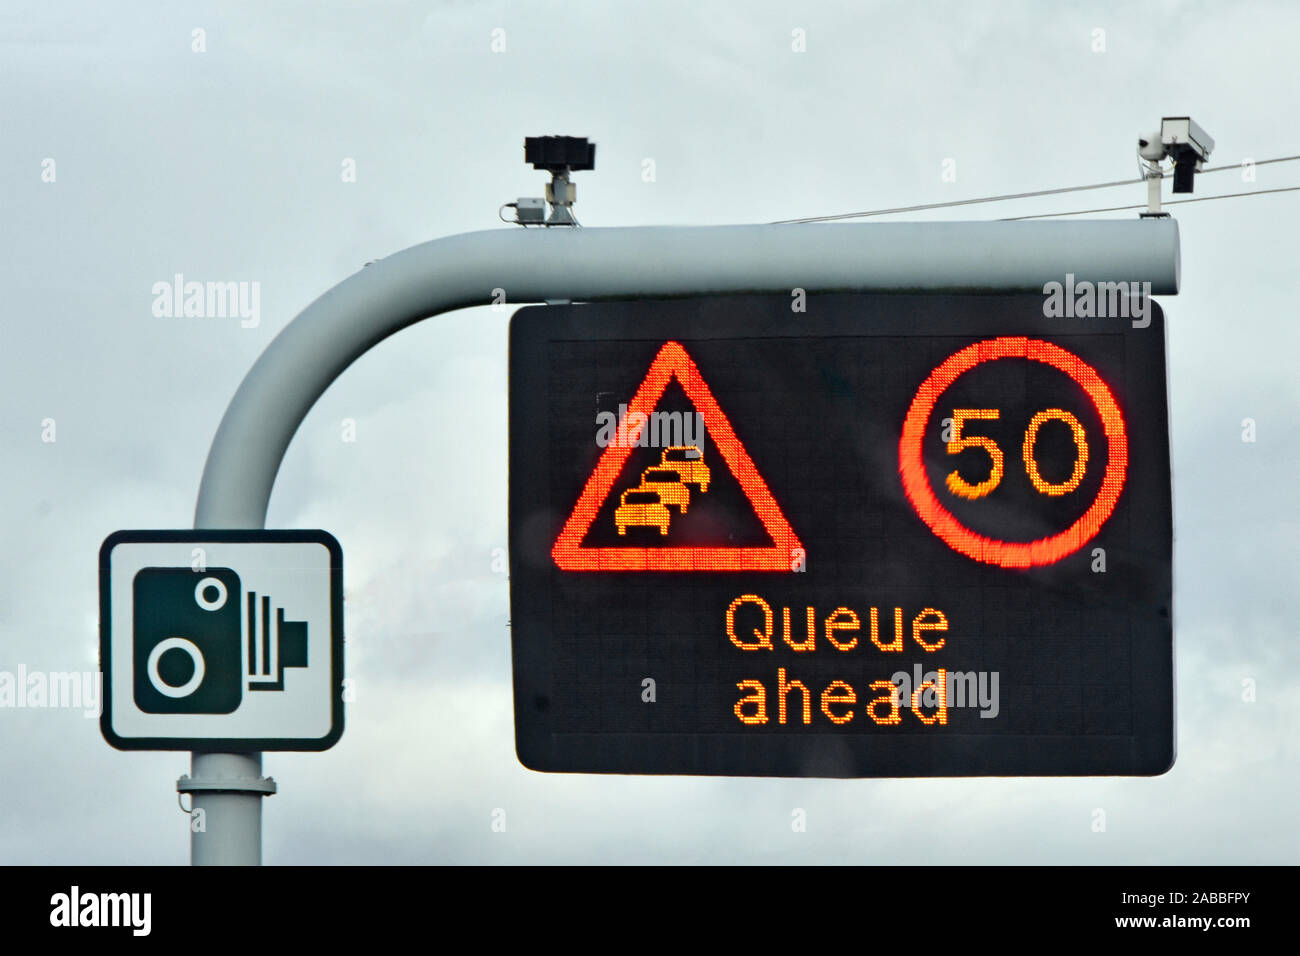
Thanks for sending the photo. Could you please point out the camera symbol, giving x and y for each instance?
(198, 640)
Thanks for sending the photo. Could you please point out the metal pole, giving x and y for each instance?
(533, 265)
(226, 815)
(1154, 178)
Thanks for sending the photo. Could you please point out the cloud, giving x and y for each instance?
(225, 165)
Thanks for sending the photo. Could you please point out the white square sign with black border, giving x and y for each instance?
(221, 640)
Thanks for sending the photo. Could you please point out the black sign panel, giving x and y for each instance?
(886, 535)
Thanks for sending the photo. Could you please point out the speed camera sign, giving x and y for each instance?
(221, 640)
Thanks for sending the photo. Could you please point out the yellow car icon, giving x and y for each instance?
(688, 462)
(640, 508)
(669, 485)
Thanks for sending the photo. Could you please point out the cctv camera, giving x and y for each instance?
(1184, 140)
(1188, 146)
(1151, 148)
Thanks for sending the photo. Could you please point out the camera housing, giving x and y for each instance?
(558, 153)
(1188, 146)
(1151, 147)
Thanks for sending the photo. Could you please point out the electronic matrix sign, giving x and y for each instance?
(889, 535)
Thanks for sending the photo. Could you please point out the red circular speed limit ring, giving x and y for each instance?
(1011, 554)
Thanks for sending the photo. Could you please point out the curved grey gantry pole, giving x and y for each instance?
(536, 265)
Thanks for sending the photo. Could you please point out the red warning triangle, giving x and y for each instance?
(784, 554)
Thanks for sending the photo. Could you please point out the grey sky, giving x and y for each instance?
(225, 165)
